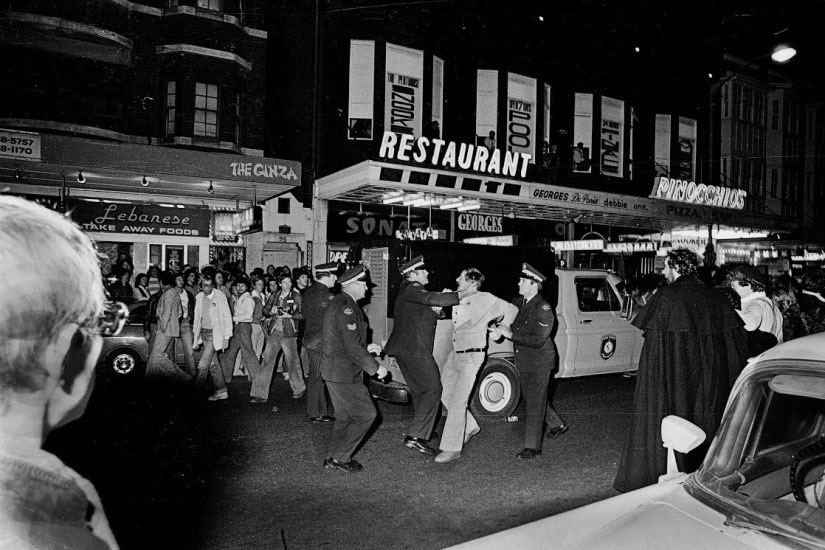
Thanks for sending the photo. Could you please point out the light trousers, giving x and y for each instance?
(457, 381)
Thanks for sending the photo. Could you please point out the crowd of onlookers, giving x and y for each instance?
(799, 300)
(264, 318)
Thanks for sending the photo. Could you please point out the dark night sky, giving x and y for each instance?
(588, 40)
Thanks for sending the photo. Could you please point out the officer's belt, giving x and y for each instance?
(472, 350)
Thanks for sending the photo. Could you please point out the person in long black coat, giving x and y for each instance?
(695, 347)
(411, 343)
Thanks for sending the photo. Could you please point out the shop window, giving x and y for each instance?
(214, 5)
(170, 108)
(193, 255)
(206, 110)
(155, 254)
(283, 205)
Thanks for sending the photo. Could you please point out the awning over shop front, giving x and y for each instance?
(373, 182)
(138, 172)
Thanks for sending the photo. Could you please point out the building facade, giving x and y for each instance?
(146, 120)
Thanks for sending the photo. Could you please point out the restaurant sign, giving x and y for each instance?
(690, 192)
(149, 219)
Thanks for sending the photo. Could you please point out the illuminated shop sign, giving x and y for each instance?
(426, 234)
(449, 154)
(479, 222)
(630, 247)
(698, 193)
(587, 244)
(149, 219)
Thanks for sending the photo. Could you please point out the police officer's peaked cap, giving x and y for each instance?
(412, 265)
(530, 272)
(330, 267)
(357, 273)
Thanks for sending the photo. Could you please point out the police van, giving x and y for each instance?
(593, 334)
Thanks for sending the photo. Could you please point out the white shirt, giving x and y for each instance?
(759, 312)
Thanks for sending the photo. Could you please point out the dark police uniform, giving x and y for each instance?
(316, 299)
(345, 359)
(535, 361)
(411, 342)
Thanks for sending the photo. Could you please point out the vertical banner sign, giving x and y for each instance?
(361, 89)
(521, 114)
(582, 133)
(404, 101)
(612, 137)
(686, 161)
(403, 104)
(486, 104)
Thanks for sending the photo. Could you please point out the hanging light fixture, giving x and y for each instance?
(144, 182)
(80, 177)
(211, 189)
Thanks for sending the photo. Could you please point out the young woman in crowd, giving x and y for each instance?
(142, 293)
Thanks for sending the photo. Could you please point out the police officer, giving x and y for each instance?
(535, 358)
(316, 299)
(346, 357)
(411, 342)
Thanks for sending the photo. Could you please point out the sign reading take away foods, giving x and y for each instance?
(690, 192)
(449, 154)
(150, 219)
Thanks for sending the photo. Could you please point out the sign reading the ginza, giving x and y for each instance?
(690, 192)
(438, 153)
(150, 219)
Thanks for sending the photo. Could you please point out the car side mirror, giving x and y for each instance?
(678, 435)
(627, 306)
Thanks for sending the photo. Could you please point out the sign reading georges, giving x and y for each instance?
(479, 222)
(149, 219)
(690, 192)
(449, 154)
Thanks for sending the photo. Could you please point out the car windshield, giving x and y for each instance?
(766, 467)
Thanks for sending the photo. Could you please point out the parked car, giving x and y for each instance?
(762, 483)
(124, 356)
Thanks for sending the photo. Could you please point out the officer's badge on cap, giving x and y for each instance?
(530, 272)
(357, 273)
(330, 267)
(412, 265)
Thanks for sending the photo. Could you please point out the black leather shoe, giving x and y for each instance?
(321, 419)
(528, 453)
(419, 445)
(553, 433)
(350, 467)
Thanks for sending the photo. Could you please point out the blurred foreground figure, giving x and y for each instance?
(51, 317)
(695, 346)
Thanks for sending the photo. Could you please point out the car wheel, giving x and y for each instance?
(498, 391)
(124, 363)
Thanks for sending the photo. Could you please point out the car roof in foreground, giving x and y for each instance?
(810, 348)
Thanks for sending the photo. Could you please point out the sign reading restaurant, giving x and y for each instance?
(690, 192)
(451, 155)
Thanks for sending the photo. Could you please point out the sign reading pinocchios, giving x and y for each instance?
(698, 193)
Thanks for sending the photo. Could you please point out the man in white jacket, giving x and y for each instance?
(213, 328)
(471, 318)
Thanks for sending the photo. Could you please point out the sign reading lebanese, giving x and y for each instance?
(449, 154)
(690, 192)
(479, 222)
(403, 104)
(150, 219)
(19, 145)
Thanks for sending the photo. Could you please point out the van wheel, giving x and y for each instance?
(498, 391)
(124, 363)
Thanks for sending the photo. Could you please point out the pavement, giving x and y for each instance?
(178, 472)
